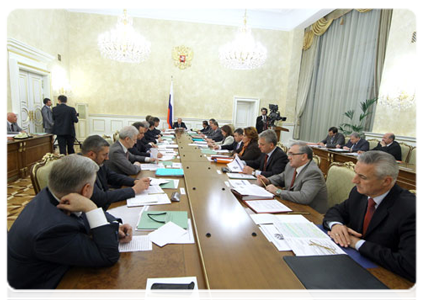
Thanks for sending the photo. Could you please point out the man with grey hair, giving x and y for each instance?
(97, 149)
(302, 180)
(379, 217)
(120, 159)
(215, 133)
(61, 227)
(12, 125)
(355, 144)
(272, 159)
(389, 145)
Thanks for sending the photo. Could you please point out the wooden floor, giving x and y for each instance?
(19, 193)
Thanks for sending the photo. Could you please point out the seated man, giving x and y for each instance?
(389, 145)
(236, 145)
(206, 128)
(140, 148)
(302, 180)
(61, 227)
(356, 143)
(12, 126)
(379, 217)
(151, 135)
(333, 139)
(216, 133)
(156, 131)
(179, 124)
(97, 149)
(272, 159)
(120, 159)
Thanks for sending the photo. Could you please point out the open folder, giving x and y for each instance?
(152, 220)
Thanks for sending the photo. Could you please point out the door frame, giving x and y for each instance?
(237, 99)
(25, 57)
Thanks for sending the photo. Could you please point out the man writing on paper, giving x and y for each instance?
(379, 217)
(302, 179)
(120, 159)
(97, 149)
(272, 159)
(355, 144)
(140, 148)
(61, 227)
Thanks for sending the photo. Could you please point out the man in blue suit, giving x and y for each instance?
(61, 227)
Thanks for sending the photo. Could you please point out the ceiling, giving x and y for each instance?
(276, 19)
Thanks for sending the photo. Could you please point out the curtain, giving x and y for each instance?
(343, 74)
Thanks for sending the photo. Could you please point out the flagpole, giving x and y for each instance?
(171, 108)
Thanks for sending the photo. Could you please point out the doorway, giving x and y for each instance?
(245, 111)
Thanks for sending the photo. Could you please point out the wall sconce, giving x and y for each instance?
(59, 81)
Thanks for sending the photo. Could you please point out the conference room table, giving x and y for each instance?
(230, 251)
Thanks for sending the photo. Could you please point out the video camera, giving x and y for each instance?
(275, 115)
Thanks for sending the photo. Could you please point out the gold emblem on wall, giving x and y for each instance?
(182, 57)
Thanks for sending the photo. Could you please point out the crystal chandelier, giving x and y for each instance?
(124, 44)
(243, 53)
(401, 101)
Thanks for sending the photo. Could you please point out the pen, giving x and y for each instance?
(168, 296)
(262, 182)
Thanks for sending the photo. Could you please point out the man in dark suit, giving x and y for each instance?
(333, 139)
(389, 145)
(152, 135)
(12, 125)
(47, 116)
(64, 118)
(142, 147)
(216, 133)
(61, 227)
(356, 143)
(272, 159)
(262, 122)
(379, 217)
(236, 145)
(97, 149)
(179, 124)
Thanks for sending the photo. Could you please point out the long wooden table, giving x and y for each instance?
(230, 252)
(406, 176)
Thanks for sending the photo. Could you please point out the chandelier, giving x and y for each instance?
(243, 53)
(401, 101)
(124, 44)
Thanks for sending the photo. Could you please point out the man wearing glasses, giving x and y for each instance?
(302, 180)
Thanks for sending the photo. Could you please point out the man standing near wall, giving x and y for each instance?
(64, 118)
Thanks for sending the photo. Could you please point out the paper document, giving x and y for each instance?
(151, 167)
(166, 157)
(273, 235)
(252, 191)
(138, 243)
(237, 165)
(267, 206)
(155, 199)
(156, 181)
(171, 184)
(166, 233)
(240, 176)
(154, 152)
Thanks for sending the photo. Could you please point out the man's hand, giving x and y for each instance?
(247, 170)
(346, 148)
(271, 188)
(344, 236)
(159, 155)
(74, 202)
(125, 233)
(261, 179)
(141, 185)
(321, 144)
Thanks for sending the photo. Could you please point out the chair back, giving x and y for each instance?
(339, 182)
(405, 151)
(317, 159)
(108, 138)
(284, 148)
(372, 143)
(115, 136)
(41, 169)
(412, 156)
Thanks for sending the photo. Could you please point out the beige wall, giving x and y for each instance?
(399, 73)
(204, 90)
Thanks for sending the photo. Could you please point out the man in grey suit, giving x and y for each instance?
(12, 125)
(120, 159)
(302, 179)
(47, 116)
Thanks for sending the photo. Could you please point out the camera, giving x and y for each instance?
(275, 114)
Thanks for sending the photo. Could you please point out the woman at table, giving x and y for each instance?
(250, 150)
(228, 137)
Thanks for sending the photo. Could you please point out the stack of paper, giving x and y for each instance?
(154, 195)
(237, 165)
(237, 183)
(252, 191)
(240, 176)
(151, 167)
(138, 243)
(170, 233)
(267, 206)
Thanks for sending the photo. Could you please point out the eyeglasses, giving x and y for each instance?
(292, 154)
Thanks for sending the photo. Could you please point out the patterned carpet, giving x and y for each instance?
(19, 193)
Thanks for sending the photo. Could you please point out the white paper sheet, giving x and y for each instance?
(166, 234)
(236, 183)
(141, 200)
(240, 176)
(271, 233)
(138, 243)
(267, 206)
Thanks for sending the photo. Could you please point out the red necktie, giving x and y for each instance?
(127, 154)
(265, 162)
(293, 179)
(371, 207)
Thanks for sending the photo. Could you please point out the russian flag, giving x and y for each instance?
(170, 107)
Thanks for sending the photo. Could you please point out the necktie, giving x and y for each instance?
(264, 123)
(371, 207)
(12, 126)
(293, 179)
(265, 162)
(127, 154)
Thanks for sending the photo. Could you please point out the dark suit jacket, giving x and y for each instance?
(103, 196)
(391, 235)
(176, 125)
(151, 136)
(206, 131)
(64, 118)
(260, 125)
(331, 142)
(216, 135)
(120, 164)
(47, 118)
(232, 146)
(251, 152)
(394, 149)
(362, 145)
(44, 242)
(140, 149)
(275, 164)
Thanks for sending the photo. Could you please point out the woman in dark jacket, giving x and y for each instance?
(250, 150)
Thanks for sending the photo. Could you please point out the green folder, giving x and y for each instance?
(167, 162)
(169, 185)
(169, 172)
(207, 151)
(152, 220)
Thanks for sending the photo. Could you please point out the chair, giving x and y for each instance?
(115, 136)
(412, 156)
(317, 159)
(339, 182)
(108, 138)
(405, 151)
(373, 143)
(41, 169)
(284, 148)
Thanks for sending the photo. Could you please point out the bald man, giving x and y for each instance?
(389, 145)
(12, 126)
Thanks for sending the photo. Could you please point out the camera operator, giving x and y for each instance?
(64, 118)
(262, 122)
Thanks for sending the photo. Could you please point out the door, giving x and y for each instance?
(245, 110)
(31, 97)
